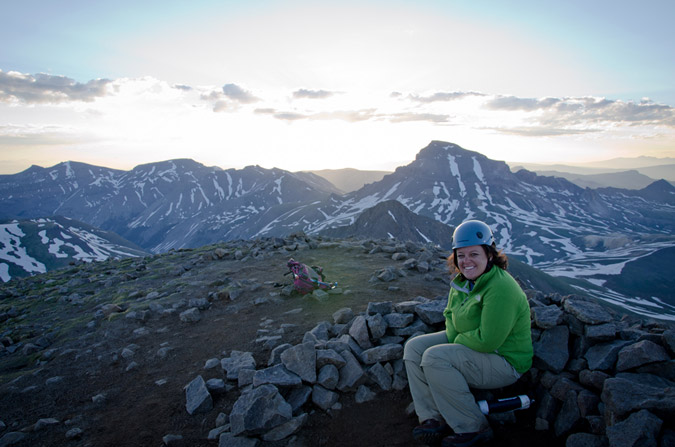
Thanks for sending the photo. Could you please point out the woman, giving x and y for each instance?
(486, 343)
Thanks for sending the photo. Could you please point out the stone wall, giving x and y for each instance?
(597, 380)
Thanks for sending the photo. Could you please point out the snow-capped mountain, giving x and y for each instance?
(36, 246)
(548, 222)
(392, 220)
(159, 206)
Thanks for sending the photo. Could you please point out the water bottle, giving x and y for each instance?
(520, 402)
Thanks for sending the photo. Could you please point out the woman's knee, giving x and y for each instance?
(413, 349)
(450, 354)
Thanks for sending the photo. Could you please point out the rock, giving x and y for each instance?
(640, 353)
(216, 386)
(324, 398)
(328, 377)
(43, 423)
(343, 315)
(432, 312)
(586, 311)
(301, 359)
(320, 295)
(359, 332)
(600, 332)
(364, 394)
(74, 433)
(322, 331)
(585, 440)
(379, 375)
(276, 375)
(190, 316)
(198, 399)
(568, 416)
(352, 374)
(418, 326)
(171, 440)
(638, 430)
(237, 361)
(603, 356)
(551, 351)
(258, 411)
(329, 357)
(587, 403)
(410, 264)
(562, 386)
(387, 275)
(382, 308)
(377, 326)
(298, 397)
(245, 377)
(211, 363)
(12, 438)
(398, 320)
(628, 393)
(275, 355)
(216, 432)
(593, 379)
(286, 429)
(382, 354)
(547, 317)
(229, 440)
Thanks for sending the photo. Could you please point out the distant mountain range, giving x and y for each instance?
(628, 173)
(547, 222)
(348, 180)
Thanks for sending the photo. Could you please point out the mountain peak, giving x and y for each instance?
(660, 185)
(437, 149)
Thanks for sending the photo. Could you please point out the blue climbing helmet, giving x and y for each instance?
(472, 232)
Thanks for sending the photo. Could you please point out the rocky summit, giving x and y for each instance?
(212, 347)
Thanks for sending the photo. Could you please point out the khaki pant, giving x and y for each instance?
(440, 374)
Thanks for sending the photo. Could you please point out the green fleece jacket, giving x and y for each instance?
(493, 317)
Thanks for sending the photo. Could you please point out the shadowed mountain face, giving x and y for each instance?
(391, 220)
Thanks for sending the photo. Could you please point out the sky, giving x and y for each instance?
(302, 84)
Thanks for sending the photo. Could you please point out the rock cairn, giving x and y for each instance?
(597, 380)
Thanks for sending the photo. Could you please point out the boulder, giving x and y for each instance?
(258, 411)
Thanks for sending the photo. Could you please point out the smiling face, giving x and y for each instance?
(471, 261)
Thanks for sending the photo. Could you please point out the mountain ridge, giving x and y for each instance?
(543, 221)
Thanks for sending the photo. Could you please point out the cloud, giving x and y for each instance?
(312, 94)
(429, 117)
(236, 93)
(351, 116)
(513, 103)
(541, 131)
(439, 96)
(44, 88)
(355, 116)
(220, 106)
(568, 116)
(30, 135)
(229, 98)
(289, 116)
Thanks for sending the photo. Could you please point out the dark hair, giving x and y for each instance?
(496, 257)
